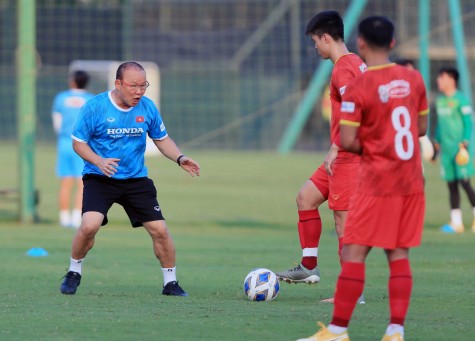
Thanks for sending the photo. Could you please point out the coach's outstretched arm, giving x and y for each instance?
(169, 148)
(108, 166)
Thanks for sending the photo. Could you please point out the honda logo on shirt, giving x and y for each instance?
(139, 119)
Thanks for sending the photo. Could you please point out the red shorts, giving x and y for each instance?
(337, 189)
(386, 222)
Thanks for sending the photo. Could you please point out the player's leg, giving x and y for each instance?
(405, 235)
(311, 195)
(76, 213)
(65, 184)
(99, 195)
(349, 286)
(83, 241)
(163, 246)
(308, 201)
(399, 290)
(467, 186)
(449, 173)
(360, 226)
(64, 197)
(141, 205)
(341, 187)
(77, 165)
(456, 223)
(340, 218)
(164, 250)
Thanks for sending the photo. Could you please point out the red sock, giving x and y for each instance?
(349, 287)
(310, 229)
(340, 246)
(399, 287)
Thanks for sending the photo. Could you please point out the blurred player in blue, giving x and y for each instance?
(69, 165)
(110, 135)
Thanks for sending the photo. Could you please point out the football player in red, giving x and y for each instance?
(383, 113)
(334, 180)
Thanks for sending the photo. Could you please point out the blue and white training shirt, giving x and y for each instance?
(113, 132)
(68, 104)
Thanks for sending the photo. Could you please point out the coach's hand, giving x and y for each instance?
(108, 166)
(189, 165)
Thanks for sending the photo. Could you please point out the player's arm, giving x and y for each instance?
(108, 166)
(350, 120)
(330, 158)
(423, 107)
(435, 142)
(349, 137)
(466, 110)
(422, 122)
(169, 148)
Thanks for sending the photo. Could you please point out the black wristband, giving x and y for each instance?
(179, 158)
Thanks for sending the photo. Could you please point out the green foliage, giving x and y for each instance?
(240, 214)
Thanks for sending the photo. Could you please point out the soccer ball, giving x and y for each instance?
(261, 285)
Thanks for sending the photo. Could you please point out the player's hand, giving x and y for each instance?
(436, 152)
(330, 158)
(189, 165)
(108, 166)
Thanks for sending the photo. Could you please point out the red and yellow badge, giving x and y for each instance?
(139, 119)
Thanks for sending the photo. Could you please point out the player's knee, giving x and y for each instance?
(88, 229)
(299, 200)
(159, 231)
(305, 201)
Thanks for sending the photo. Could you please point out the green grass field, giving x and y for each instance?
(240, 214)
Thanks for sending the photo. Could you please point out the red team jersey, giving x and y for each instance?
(385, 103)
(346, 68)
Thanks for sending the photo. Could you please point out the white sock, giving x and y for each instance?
(76, 265)
(456, 216)
(310, 252)
(169, 275)
(395, 328)
(64, 218)
(336, 330)
(76, 218)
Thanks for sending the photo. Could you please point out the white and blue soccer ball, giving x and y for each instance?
(261, 285)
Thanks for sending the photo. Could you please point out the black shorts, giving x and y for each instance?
(138, 196)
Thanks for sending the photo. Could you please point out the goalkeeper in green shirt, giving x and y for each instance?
(453, 134)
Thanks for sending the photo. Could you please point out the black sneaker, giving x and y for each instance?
(71, 282)
(173, 289)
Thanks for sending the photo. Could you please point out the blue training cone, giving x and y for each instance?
(37, 252)
(447, 229)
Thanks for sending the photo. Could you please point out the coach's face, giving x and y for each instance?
(131, 87)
